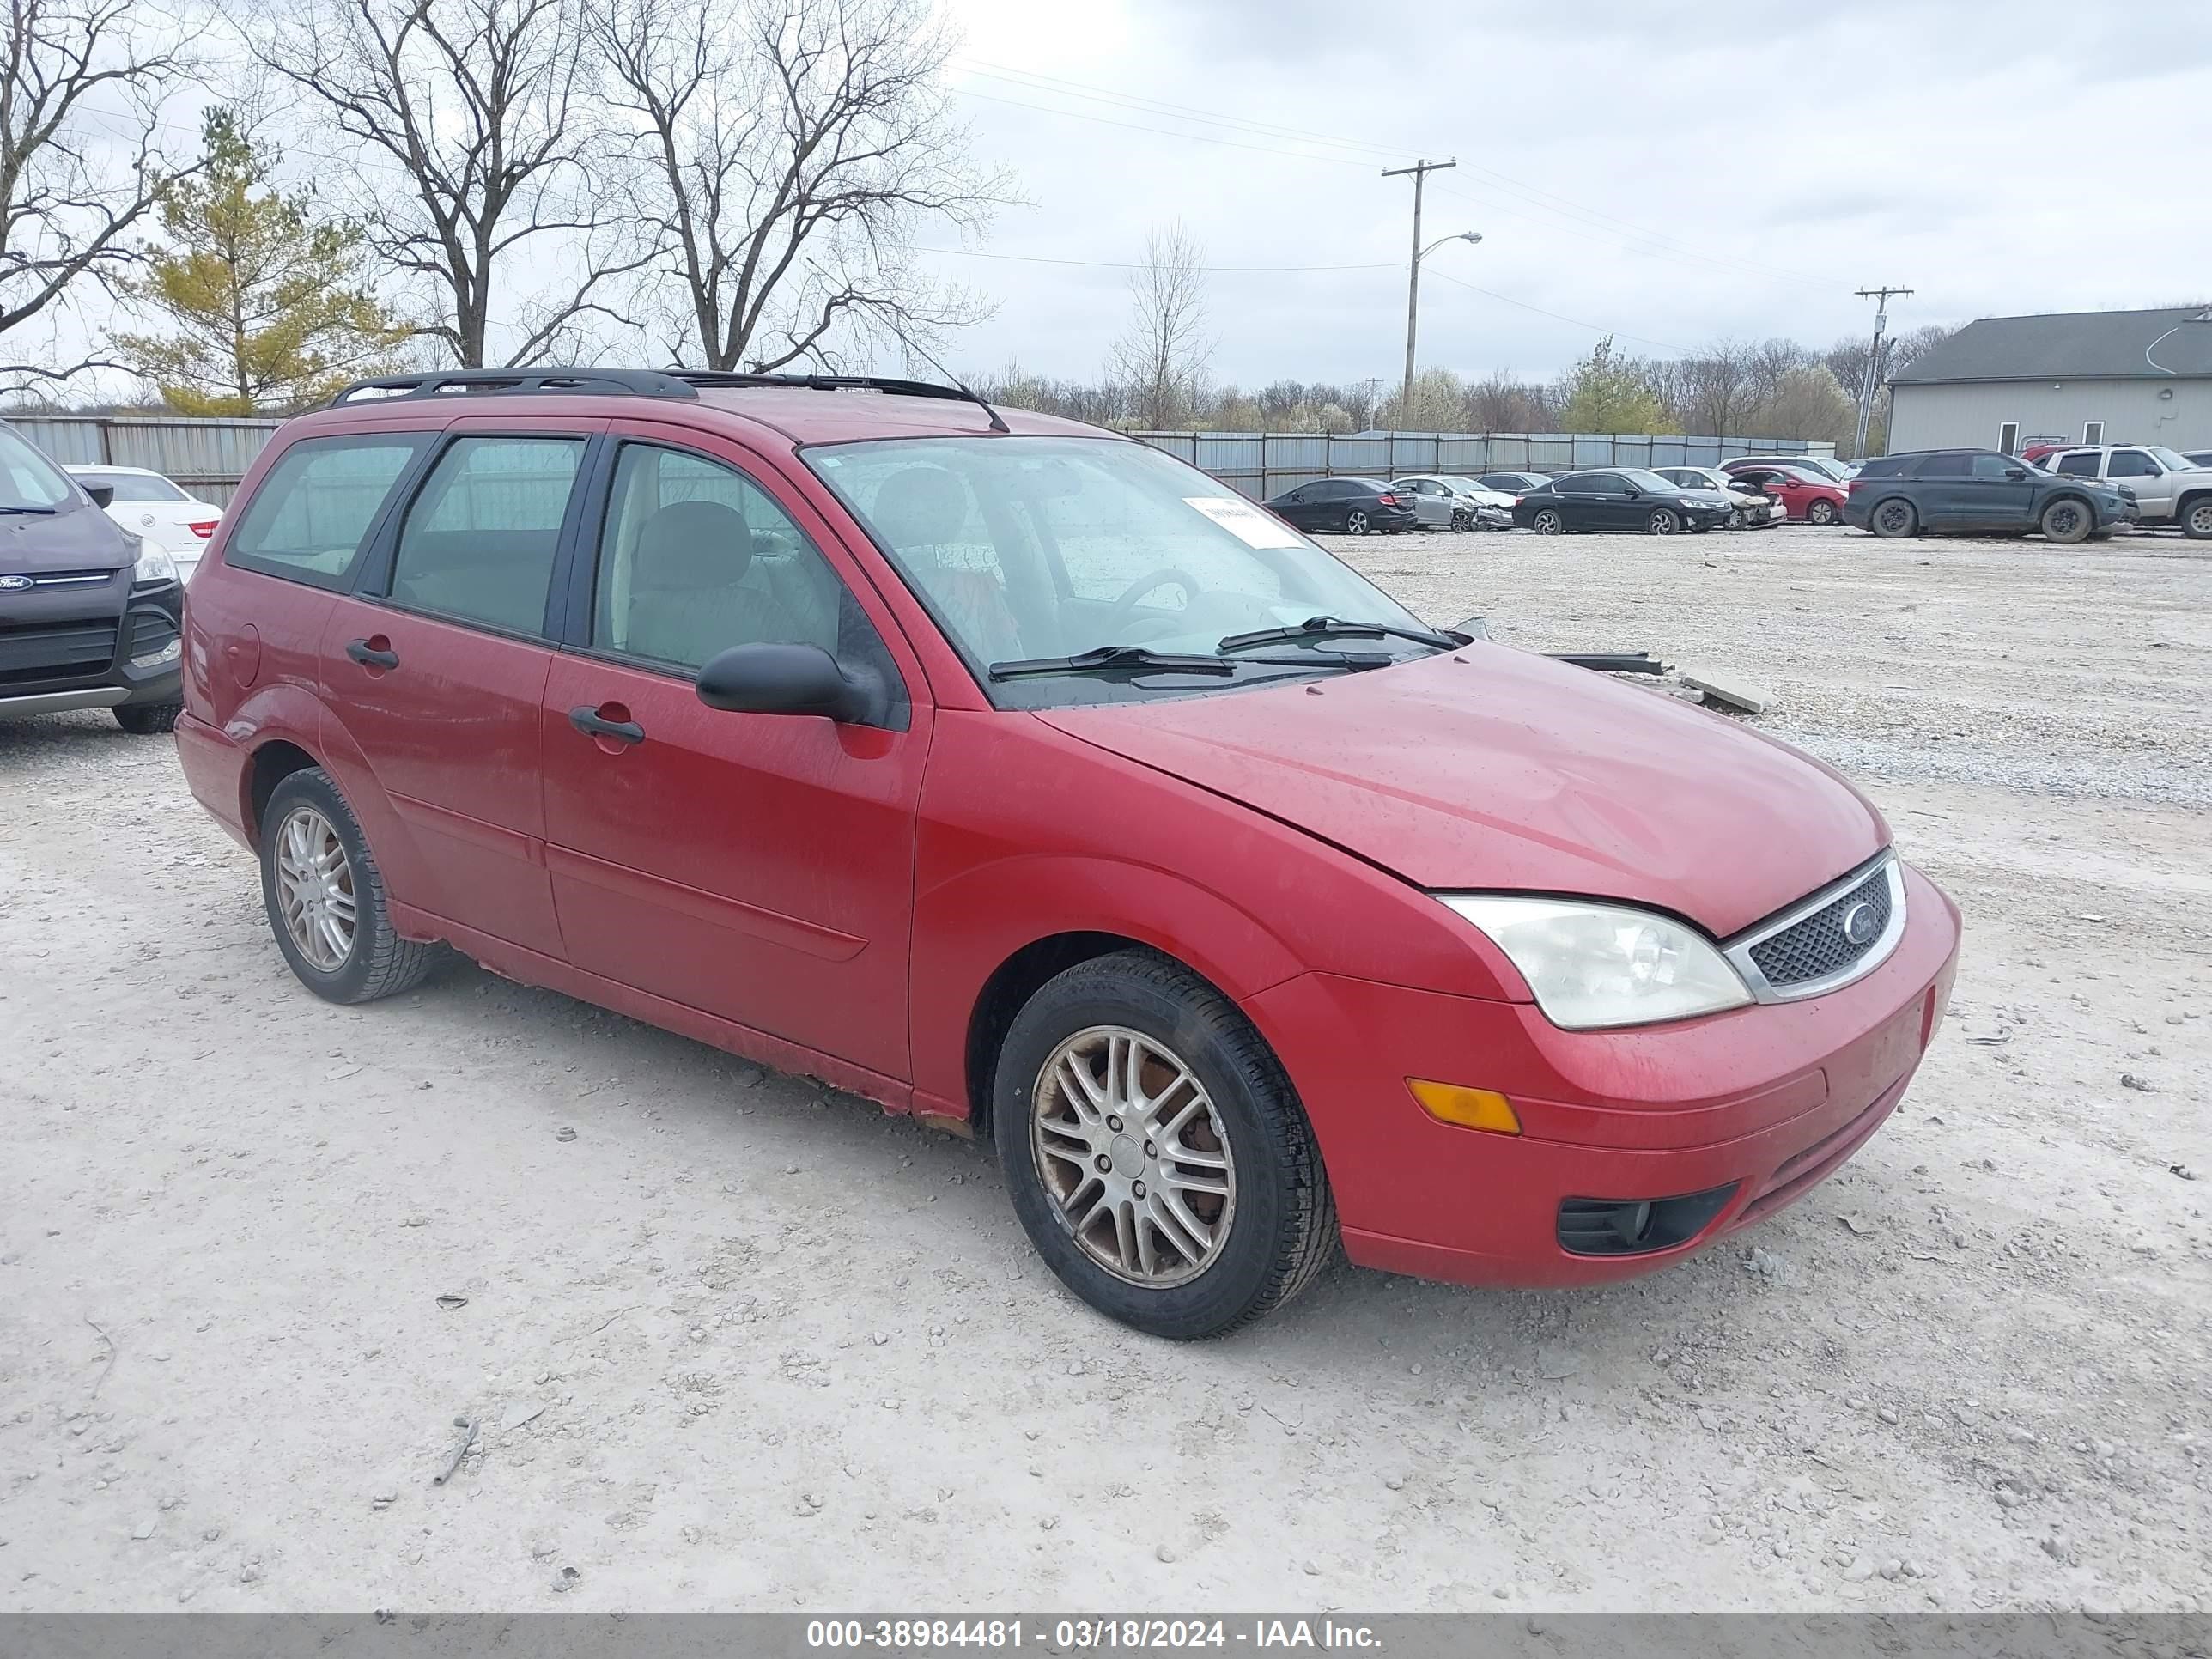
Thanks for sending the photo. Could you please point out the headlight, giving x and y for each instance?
(1596, 965)
(1695, 506)
(155, 566)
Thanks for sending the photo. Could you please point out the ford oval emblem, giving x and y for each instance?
(14, 584)
(1861, 925)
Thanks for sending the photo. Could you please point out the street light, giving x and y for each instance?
(1413, 303)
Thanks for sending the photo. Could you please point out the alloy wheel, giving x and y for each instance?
(1660, 523)
(315, 889)
(1547, 523)
(1132, 1153)
(1355, 523)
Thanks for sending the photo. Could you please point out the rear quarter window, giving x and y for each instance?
(311, 516)
(1883, 466)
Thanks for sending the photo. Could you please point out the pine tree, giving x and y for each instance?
(271, 302)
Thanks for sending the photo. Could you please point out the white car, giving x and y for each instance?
(147, 504)
(1449, 501)
(1753, 511)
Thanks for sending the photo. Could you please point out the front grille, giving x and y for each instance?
(57, 651)
(1817, 947)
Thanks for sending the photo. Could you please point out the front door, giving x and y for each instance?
(437, 668)
(759, 867)
(1995, 494)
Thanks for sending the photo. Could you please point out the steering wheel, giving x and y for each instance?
(1119, 612)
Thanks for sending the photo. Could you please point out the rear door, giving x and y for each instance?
(1943, 486)
(437, 666)
(759, 867)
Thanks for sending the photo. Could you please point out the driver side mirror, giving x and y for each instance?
(103, 495)
(2015, 472)
(783, 679)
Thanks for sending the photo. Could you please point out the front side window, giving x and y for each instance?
(310, 516)
(29, 483)
(1996, 466)
(480, 540)
(1028, 548)
(2131, 463)
(694, 557)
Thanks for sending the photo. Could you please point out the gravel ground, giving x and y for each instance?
(730, 1343)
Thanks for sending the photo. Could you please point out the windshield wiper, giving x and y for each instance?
(1335, 628)
(47, 512)
(1139, 660)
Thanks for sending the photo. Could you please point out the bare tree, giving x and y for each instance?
(789, 151)
(478, 110)
(1162, 358)
(70, 191)
(1712, 391)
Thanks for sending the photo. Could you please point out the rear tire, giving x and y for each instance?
(2066, 520)
(1139, 1032)
(325, 899)
(1548, 522)
(1355, 523)
(147, 720)
(1894, 519)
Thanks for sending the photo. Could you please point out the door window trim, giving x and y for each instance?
(373, 583)
(581, 577)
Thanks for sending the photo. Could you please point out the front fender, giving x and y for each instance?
(970, 925)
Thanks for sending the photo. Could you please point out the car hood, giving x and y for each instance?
(1492, 768)
(77, 536)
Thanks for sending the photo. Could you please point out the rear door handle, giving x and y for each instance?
(592, 723)
(372, 656)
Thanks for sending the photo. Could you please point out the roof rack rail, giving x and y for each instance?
(488, 382)
(710, 379)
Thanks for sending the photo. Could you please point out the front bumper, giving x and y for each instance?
(1765, 1102)
(61, 652)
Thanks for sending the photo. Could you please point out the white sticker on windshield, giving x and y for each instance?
(1244, 521)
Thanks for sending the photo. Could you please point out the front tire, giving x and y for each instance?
(2066, 520)
(147, 720)
(1662, 522)
(2196, 520)
(325, 897)
(1820, 512)
(1155, 1150)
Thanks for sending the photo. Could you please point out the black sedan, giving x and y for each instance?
(1623, 498)
(1355, 506)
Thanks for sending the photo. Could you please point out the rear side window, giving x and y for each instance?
(2078, 466)
(311, 513)
(1948, 464)
(480, 540)
(1883, 466)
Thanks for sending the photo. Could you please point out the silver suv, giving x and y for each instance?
(2169, 488)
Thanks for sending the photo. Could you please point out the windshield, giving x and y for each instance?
(2172, 461)
(1819, 467)
(1467, 486)
(28, 481)
(1027, 547)
(1643, 478)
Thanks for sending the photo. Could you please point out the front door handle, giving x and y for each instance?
(373, 655)
(593, 724)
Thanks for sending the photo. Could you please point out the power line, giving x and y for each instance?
(1165, 132)
(1560, 316)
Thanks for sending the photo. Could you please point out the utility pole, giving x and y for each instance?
(1420, 171)
(1881, 297)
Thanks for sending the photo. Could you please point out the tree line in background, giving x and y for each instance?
(715, 184)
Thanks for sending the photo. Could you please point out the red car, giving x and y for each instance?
(1020, 777)
(1811, 498)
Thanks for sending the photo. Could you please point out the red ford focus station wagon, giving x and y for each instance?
(1018, 776)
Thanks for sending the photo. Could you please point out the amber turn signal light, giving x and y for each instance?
(1470, 1109)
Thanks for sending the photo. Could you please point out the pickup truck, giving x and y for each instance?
(2169, 488)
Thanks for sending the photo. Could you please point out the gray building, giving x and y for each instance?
(2083, 377)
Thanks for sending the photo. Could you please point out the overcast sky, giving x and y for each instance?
(1670, 172)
